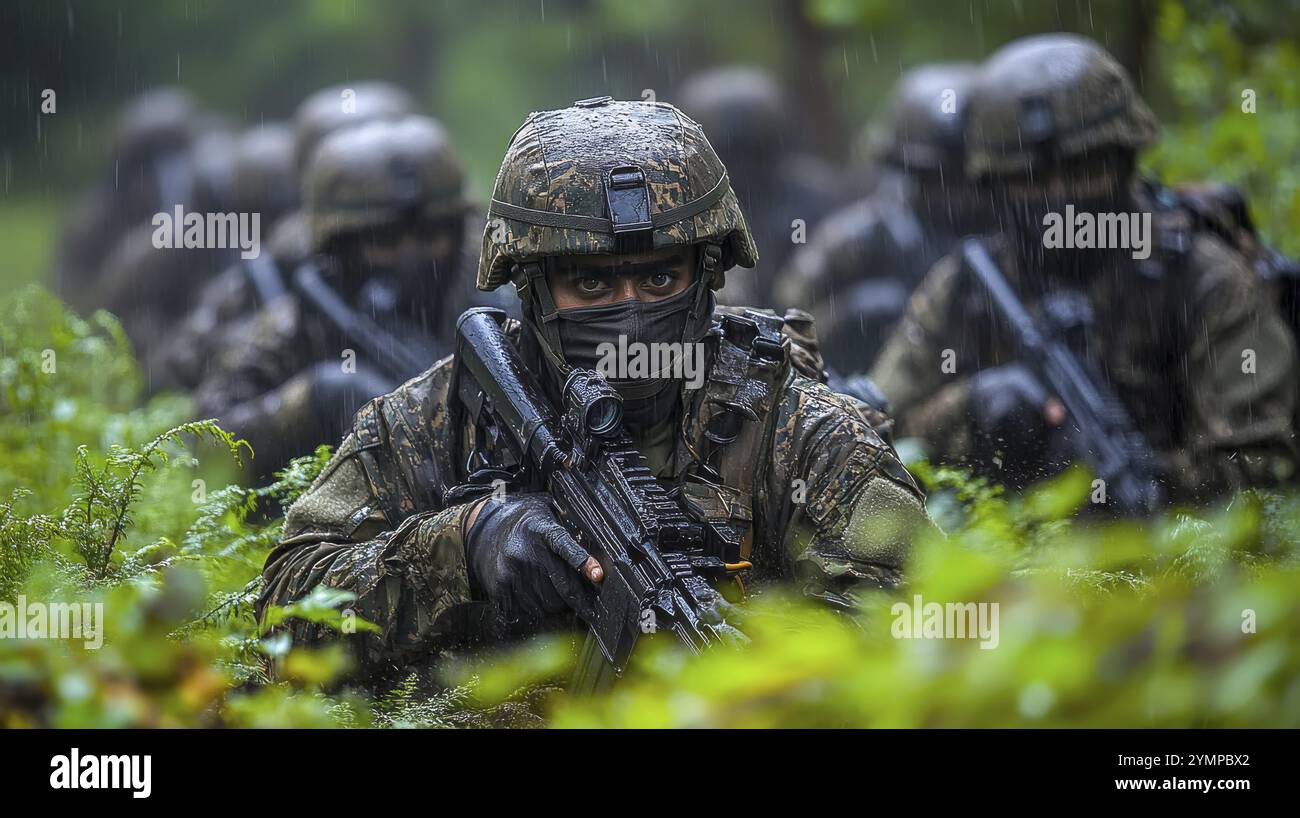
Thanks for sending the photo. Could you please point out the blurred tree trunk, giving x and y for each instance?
(1135, 46)
(417, 48)
(822, 131)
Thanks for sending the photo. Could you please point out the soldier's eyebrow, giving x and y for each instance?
(625, 269)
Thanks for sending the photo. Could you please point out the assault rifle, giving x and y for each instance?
(1099, 429)
(657, 560)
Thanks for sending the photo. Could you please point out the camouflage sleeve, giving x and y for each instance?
(264, 354)
(807, 279)
(180, 361)
(410, 580)
(928, 398)
(845, 509)
(1241, 364)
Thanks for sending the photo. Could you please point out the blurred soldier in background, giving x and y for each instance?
(153, 169)
(784, 193)
(1187, 336)
(375, 304)
(268, 168)
(147, 286)
(862, 263)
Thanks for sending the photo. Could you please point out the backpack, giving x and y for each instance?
(1222, 210)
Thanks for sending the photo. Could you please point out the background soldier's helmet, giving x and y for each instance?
(212, 159)
(264, 178)
(921, 128)
(606, 177)
(1049, 97)
(382, 173)
(339, 106)
(160, 121)
(741, 108)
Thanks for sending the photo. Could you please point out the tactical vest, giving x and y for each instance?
(725, 445)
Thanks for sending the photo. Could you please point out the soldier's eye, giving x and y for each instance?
(659, 281)
(590, 285)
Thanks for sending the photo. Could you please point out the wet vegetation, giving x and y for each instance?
(1190, 619)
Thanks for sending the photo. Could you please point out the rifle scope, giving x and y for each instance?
(592, 402)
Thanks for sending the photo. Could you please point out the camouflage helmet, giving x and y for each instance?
(604, 177)
(1049, 97)
(338, 106)
(264, 177)
(379, 173)
(741, 108)
(922, 125)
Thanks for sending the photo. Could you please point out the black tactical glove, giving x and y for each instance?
(1007, 405)
(720, 614)
(526, 563)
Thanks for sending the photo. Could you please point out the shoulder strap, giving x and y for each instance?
(1174, 226)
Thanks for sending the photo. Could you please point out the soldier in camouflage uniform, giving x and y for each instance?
(1054, 120)
(167, 153)
(748, 120)
(268, 168)
(385, 205)
(150, 171)
(862, 263)
(147, 286)
(823, 500)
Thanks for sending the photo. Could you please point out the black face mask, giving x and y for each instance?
(1025, 217)
(407, 286)
(583, 331)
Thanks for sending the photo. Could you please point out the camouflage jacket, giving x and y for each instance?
(1174, 341)
(268, 350)
(148, 287)
(225, 308)
(826, 502)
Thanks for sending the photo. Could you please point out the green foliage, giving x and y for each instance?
(180, 641)
(1243, 131)
(103, 509)
(64, 381)
(1188, 620)
(27, 230)
(96, 520)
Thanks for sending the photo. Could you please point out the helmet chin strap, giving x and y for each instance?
(710, 259)
(537, 299)
(539, 303)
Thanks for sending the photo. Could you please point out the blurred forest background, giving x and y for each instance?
(481, 67)
(1191, 619)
